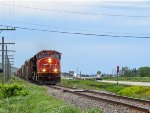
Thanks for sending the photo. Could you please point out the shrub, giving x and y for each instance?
(1, 92)
(9, 90)
(133, 90)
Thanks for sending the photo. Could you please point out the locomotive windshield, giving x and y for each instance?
(43, 55)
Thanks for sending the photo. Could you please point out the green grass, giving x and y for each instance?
(124, 90)
(36, 101)
(134, 79)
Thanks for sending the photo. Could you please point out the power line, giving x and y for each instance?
(18, 21)
(76, 12)
(78, 33)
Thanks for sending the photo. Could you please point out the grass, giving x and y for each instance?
(134, 79)
(123, 90)
(36, 101)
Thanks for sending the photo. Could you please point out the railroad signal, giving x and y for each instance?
(117, 73)
(117, 69)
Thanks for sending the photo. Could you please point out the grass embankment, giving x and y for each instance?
(22, 97)
(123, 90)
(133, 79)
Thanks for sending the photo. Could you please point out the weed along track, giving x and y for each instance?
(107, 102)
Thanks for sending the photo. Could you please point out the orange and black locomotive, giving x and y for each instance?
(44, 67)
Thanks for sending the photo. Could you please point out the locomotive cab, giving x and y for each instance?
(48, 66)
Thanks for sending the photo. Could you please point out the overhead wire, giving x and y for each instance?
(56, 27)
(77, 33)
(67, 32)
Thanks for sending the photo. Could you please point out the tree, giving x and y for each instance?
(126, 71)
(144, 71)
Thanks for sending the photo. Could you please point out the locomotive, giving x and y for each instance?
(44, 67)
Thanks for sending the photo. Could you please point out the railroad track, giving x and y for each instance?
(142, 106)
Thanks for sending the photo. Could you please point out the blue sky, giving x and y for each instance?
(88, 53)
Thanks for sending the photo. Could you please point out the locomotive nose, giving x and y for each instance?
(48, 65)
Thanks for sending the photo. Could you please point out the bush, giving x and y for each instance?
(133, 90)
(115, 88)
(9, 90)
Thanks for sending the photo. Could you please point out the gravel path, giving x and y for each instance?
(85, 103)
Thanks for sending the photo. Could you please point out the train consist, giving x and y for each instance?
(44, 67)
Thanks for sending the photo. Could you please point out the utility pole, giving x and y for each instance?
(9, 71)
(8, 68)
(5, 70)
(3, 61)
(4, 29)
(6, 61)
(7, 65)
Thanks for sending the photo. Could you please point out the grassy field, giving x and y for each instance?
(134, 79)
(124, 90)
(23, 97)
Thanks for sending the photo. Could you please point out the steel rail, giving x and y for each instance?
(120, 97)
(79, 92)
(112, 95)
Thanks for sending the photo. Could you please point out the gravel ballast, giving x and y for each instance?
(84, 103)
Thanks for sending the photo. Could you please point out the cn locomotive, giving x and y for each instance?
(44, 67)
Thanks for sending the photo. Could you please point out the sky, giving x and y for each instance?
(88, 53)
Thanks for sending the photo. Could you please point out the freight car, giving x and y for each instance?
(44, 67)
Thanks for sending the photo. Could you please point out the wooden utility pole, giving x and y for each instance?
(7, 66)
(4, 29)
(5, 70)
(3, 79)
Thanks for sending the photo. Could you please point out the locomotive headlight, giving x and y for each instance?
(43, 70)
(55, 70)
(49, 60)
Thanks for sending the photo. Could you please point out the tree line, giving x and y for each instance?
(140, 72)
